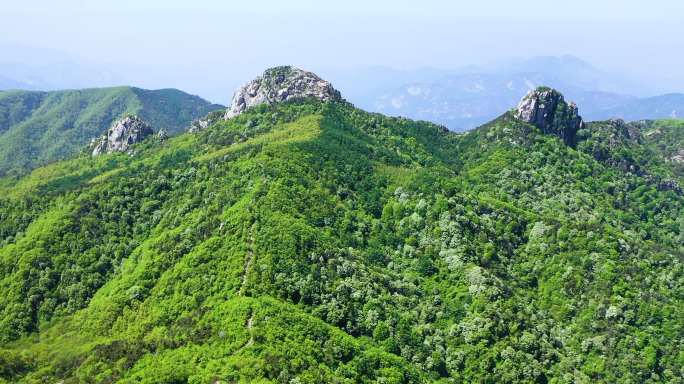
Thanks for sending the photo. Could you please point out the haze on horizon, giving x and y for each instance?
(209, 47)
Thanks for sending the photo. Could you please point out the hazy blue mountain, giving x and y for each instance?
(8, 83)
(571, 70)
(45, 69)
(664, 106)
(460, 98)
(467, 101)
(467, 97)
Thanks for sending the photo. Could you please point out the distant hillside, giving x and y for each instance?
(40, 127)
(657, 107)
(666, 137)
(468, 97)
(308, 241)
(43, 69)
(464, 102)
(9, 83)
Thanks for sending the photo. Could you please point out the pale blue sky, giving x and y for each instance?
(180, 43)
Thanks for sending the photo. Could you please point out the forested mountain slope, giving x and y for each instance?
(37, 128)
(666, 137)
(309, 241)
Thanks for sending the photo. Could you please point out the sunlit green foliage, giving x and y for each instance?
(313, 242)
(666, 137)
(40, 127)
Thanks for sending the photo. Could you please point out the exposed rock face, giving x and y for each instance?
(124, 133)
(281, 84)
(678, 157)
(162, 135)
(620, 132)
(546, 109)
(205, 122)
(198, 125)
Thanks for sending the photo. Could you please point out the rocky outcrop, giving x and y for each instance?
(123, 134)
(281, 84)
(162, 135)
(206, 121)
(678, 157)
(546, 109)
(617, 132)
(199, 125)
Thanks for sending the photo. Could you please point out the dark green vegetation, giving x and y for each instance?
(666, 137)
(313, 242)
(40, 127)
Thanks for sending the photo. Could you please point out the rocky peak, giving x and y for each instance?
(281, 84)
(162, 135)
(620, 130)
(204, 122)
(122, 134)
(546, 109)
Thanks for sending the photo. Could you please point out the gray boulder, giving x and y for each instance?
(204, 122)
(162, 135)
(123, 134)
(281, 84)
(678, 157)
(546, 109)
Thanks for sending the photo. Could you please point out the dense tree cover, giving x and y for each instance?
(666, 137)
(40, 127)
(314, 242)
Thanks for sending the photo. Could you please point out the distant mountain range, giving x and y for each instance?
(298, 239)
(468, 97)
(670, 105)
(40, 69)
(461, 98)
(8, 83)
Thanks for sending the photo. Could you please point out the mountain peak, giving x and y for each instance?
(281, 84)
(125, 132)
(547, 109)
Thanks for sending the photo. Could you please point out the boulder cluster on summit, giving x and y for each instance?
(546, 109)
(123, 134)
(281, 84)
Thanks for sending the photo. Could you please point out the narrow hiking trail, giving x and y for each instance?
(249, 260)
(250, 322)
(248, 325)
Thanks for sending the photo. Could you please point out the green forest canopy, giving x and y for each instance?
(314, 242)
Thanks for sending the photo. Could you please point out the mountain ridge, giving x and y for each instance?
(38, 127)
(311, 241)
(465, 98)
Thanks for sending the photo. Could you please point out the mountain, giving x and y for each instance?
(657, 107)
(308, 241)
(460, 98)
(30, 68)
(666, 137)
(8, 83)
(40, 127)
(466, 101)
(467, 97)
(566, 68)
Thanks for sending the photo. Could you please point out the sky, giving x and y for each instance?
(210, 47)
